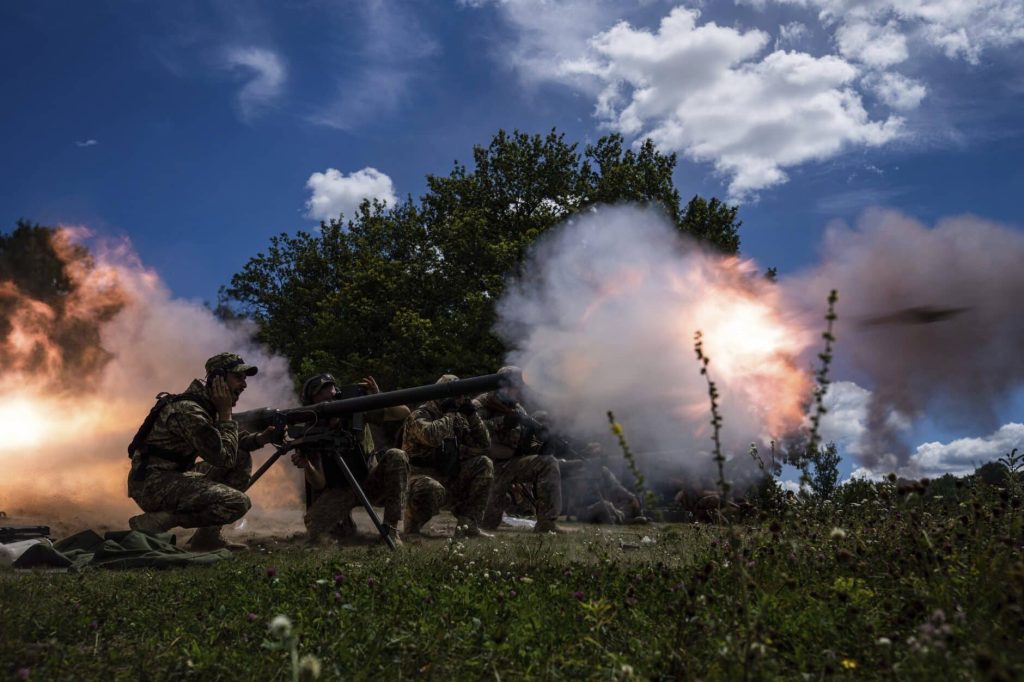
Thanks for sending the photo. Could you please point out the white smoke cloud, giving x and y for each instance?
(335, 193)
(266, 83)
(604, 319)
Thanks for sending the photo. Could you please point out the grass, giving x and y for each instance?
(883, 583)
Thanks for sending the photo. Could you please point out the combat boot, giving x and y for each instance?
(467, 527)
(209, 538)
(547, 526)
(153, 522)
(395, 536)
(411, 525)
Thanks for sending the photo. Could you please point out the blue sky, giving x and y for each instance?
(195, 127)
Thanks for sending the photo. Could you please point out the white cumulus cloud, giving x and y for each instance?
(871, 44)
(878, 29)
(335, 193)
(705, 90)
(268, 76)
(897, 91)
(958, 457)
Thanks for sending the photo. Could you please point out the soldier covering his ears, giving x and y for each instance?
(167, 480)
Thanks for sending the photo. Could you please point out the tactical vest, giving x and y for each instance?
(183, 461)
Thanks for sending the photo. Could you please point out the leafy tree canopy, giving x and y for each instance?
(407, 292)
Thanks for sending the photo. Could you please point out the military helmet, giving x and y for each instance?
(313, 386)
(511, 376)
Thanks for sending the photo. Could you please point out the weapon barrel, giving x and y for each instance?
(255, 420)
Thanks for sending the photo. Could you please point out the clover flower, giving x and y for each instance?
(280, 626)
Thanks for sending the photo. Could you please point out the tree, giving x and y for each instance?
(826, 471)
(408, 292)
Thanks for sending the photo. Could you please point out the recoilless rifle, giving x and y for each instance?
(335, 428)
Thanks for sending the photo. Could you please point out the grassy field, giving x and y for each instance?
(881, 583)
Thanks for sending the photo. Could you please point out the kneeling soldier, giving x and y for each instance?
(447, 444)
(332, 499)
(168, 483)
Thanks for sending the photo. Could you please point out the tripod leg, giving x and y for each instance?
(381, 527)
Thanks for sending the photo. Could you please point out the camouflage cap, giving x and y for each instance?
(229, 362)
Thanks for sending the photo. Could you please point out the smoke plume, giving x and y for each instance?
(929, 319)
(81, 370)
(604, 319)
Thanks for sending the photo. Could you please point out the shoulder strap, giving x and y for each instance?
(163, 400)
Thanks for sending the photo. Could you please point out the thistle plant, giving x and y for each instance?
(820, 389)
(716, 418)
(645, 496)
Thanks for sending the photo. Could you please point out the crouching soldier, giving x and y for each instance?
(447, 444)
(168, 483)
(515, 455)
(383, 474)
(593, 494)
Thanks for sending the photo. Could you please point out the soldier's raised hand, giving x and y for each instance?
(221, 397)
(370, 384)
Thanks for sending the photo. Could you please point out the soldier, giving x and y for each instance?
(167, 482)
(447, 444)
(590, 491)
(593, 494)
(516, 461)
(329, 512)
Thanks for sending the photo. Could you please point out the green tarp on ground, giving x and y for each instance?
(116, 549)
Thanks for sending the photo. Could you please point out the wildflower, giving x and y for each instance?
(23, 673)
(578, 594)
(252, 617)
(512, 593)
(617, 428)
(837, 534)
(626, 670)
(339, 578)
(271, 572)
(370, 582)
(309, 667)
(280, 627)
(526, 579)
(883, 641)
(848, 664)
(337, 596)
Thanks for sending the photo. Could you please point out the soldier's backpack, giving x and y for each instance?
(138, 444)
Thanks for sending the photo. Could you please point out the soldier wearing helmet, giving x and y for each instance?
(447, 443)
(330, 498)
(516, 456)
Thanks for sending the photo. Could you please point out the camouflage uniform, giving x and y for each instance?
(594, 494)
(426, 429)
(385, 485)
(539, 472)
(207, 493)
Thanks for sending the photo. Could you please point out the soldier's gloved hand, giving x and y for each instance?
(467, 407)
(449, 405)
